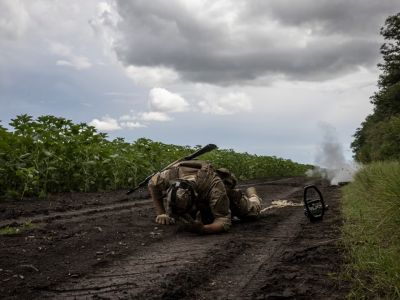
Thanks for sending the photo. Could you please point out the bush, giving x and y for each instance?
(384, 140)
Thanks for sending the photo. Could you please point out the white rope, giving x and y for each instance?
(280, 204)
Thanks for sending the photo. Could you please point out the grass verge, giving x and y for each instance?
(371, 234)
(13, 230)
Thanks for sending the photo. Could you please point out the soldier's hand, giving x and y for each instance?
(195, 227)
(257, 206)
(165, 219)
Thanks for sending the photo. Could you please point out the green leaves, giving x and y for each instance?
(374, 132)
(52, 154)
(23, 156)
(29, 177)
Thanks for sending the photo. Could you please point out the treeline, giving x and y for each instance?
(371, 204)
(51, 154)
(378, 138)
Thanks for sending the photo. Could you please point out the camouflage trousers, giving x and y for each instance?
(242, 206)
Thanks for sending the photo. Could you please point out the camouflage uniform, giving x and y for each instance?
(217, 200)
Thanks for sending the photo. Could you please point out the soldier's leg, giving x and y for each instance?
(254, 202)
(245, 205)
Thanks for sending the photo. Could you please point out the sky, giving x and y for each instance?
(263, 77)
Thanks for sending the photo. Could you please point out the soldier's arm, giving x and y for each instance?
(215, 227)
(156, 187)
(158, 184)
(158, 202)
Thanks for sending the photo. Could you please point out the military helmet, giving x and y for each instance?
(180, 197)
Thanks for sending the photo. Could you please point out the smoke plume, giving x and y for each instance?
(330, 161)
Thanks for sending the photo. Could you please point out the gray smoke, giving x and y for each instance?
(330, 160)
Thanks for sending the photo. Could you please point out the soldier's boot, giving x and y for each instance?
(253, 197)
(251, 191)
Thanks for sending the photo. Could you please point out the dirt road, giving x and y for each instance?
(107, 246)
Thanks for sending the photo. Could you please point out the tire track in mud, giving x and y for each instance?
(76, 215)
(186, 266)
(309, 266)
(106, 247)
(122, 204)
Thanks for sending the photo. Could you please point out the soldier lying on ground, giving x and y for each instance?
(205, 198)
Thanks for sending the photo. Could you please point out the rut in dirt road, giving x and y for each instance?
(178, 255)
(229, 266)
(114, 250)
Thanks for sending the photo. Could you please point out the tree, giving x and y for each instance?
(386, 101)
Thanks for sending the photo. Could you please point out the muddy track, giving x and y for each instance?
(76, 215)
(116, 251)
(21, 214)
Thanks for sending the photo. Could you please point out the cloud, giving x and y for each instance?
(227, 42)
(332, 17)
(162, 100)
(14, 19)
(69, 59)
(105, 124)
(150, 116)
(110, 124)
(104, 25)
(127, 118)
(154, 116)
(131, 125)
(228, 104)
(161, 103)
(151, 76)
(60, 49)
(78, 63)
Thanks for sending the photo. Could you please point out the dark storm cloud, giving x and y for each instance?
(233, 42)
(361, 17)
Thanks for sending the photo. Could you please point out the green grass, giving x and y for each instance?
(371, 231)
(13, 230)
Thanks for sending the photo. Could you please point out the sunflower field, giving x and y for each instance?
(51, 154)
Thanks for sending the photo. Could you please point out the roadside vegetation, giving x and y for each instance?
(371, 204)
(50, 154)
(12, 230)
(371, 209)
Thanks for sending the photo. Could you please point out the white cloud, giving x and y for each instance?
(14, 19)
(154, 116)
(109, 124)
(131, 125)
(127, 118)
(162, 100)
(77, 62)
(106, 124)
(151, 76)
(104, 24)
(228, 104)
